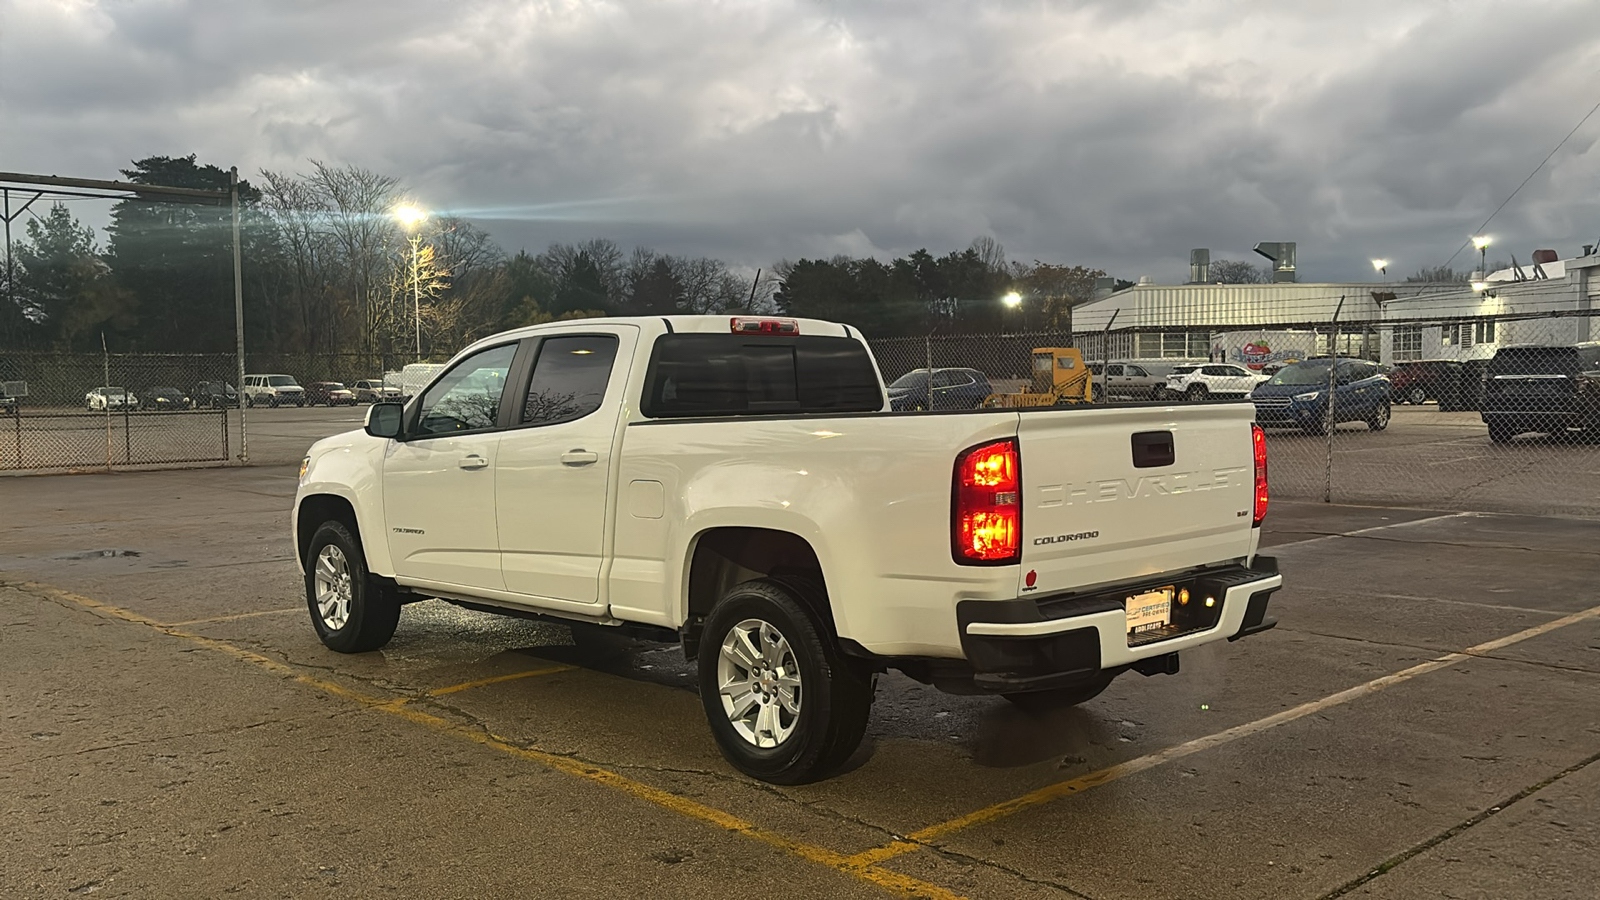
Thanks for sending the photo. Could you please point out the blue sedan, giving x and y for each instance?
(1297, 397)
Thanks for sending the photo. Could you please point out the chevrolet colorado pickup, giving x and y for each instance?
(740, 486)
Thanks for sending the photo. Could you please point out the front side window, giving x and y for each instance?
(283, 381)
(569, 378)
(467, 398)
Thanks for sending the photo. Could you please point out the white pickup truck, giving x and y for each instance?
(740, 486)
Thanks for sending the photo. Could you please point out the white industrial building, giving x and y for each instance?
(1550, 303)
(1387, 321)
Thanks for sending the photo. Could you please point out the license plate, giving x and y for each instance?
(1150, 610)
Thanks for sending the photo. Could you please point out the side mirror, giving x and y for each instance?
(384, 420)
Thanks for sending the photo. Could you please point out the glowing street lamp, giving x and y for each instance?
(1481, 244)
(1381, 265)
(411, 218)
(1012, 299)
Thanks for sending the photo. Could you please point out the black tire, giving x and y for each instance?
(835, 691)
(1502, 433)
(372, 612)
(1417, 396)
(1061, 698)
(1197, 393)
(1316, 427)
(1097, 394)
(1380, 419)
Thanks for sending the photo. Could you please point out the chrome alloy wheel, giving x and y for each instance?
(333, 587)
(759, 680)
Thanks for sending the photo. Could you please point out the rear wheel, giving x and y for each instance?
(351, 612)
(1097, 393)
(1063, 697)
(1501, 432)
(783, 703)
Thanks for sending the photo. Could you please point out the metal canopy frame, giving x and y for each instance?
(56, 186)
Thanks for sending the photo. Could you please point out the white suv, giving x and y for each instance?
(273, 390)
(1212, 380)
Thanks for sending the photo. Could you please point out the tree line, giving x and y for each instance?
(329, 268)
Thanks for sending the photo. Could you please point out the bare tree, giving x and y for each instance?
(991, 252)
(306, 247)
(1237, 271)
(358, 204)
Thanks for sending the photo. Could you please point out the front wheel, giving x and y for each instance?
(350, 612)
(1196, 393)
(1501, 433)
(1416, 396)
(1061, 698)
(784, 705)
(1380, 419)
(1097, 393)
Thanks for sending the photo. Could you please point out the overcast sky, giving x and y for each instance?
(1116, 134)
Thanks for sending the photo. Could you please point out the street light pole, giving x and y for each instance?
(416, 292)
(411, 218)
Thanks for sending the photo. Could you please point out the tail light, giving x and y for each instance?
(1258, 440)
(748, 325)
(986, 521)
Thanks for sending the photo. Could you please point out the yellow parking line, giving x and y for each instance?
(1048, 793)
(248, 615)
(440, 692)
(894, 882)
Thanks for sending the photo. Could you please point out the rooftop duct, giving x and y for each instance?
(1200, 266)
(1282, 256)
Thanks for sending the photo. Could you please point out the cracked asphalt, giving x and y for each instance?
(1424, 722)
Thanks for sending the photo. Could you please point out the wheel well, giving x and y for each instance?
(724, 557)
(315, 510)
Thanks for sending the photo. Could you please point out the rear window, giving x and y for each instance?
(731, 375)
(1536, 361)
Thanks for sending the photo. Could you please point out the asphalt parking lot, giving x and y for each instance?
(1423, 723)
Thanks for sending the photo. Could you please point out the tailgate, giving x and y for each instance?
(1112, 495)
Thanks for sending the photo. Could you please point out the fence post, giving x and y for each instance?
(1331, 421)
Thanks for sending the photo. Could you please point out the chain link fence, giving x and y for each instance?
(1453, 413)
(1494, 414)
(110, 411)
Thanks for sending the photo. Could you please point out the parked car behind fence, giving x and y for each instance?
(1298, 396)
(1547, 389)
(939, 389)
(329, 393)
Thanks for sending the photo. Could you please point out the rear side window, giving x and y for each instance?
(731, 375)
(1536, 361)
(569, 378)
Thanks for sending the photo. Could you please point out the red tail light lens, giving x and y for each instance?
(748, 325)
(986, 526)
(1258, 440)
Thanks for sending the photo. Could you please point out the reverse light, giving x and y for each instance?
(1258, 441)
(749, 325)
(986, 520)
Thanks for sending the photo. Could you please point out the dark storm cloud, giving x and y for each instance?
(1117, 134)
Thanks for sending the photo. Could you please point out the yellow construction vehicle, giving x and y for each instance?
(1059, 378)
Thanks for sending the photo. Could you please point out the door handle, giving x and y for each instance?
(473, 462)
(576, 458)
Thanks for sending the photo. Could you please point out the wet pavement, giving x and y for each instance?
(1423, 723)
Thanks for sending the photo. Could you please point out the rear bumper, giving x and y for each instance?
(1041, 642)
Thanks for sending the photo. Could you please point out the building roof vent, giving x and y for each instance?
(1282, 256)
(1545, 256)
(1200, 266)
(1146, 279)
